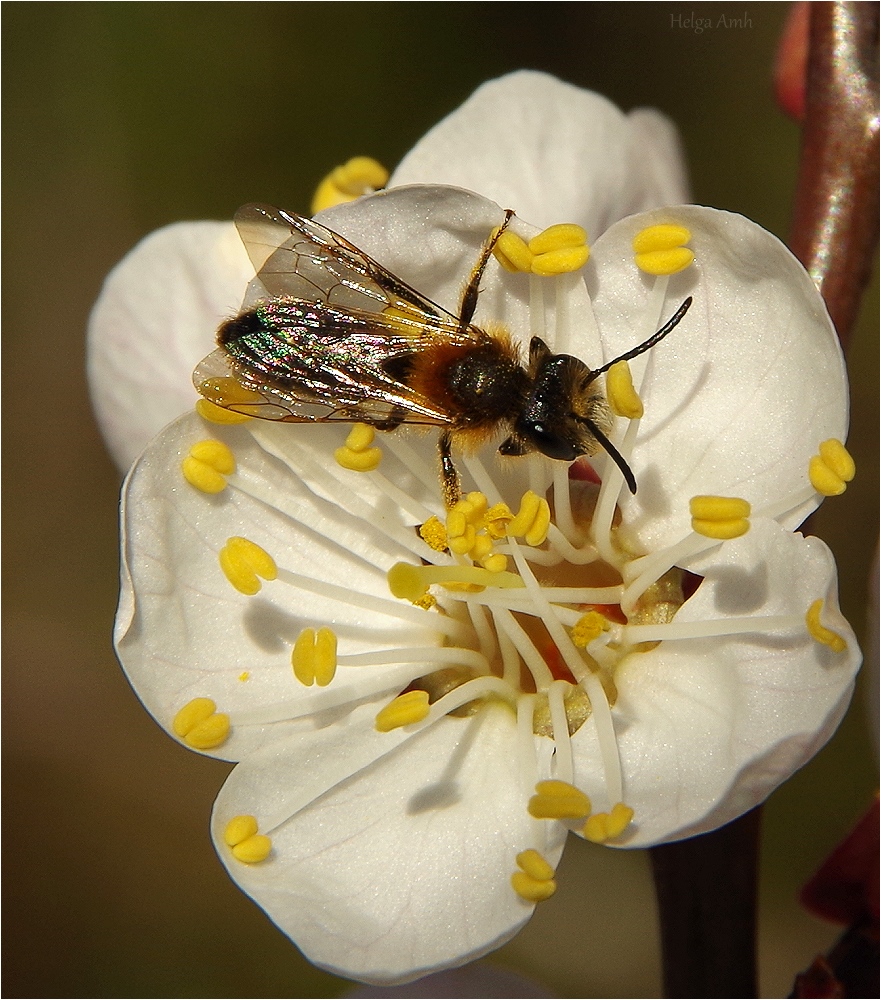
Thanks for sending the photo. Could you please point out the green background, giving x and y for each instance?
(122, 117)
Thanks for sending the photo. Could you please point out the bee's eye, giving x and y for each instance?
(552, 444)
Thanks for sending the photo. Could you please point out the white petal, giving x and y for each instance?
(153, 322)
(184, 632)
(405, 868)
(739, 396)
(708, 728)
(551, 151)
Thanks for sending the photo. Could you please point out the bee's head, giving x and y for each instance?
(565, 414)
(563, 402)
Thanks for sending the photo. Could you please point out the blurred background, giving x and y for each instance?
(122, 117)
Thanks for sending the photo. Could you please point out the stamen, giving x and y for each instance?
(359, 176)
(819, 631)
(556, 799)
(356, 454)
(709, 629)
(660, 250)
(207, 465)
(563, 504)
(246, 843)
(243, 561)
(832, 469)
(590, 626)
(526, 738)
(407, 708)
(215, 414)
(602, 827)
(532, 519)
(303, 465)
(434, 534)
(600, 710)
(370, 602)
(200, 725)
(477, 687)
(314, 657)
(620, 392)
(227, 392)
(559, 249)
(719, 517)
(410, 582)
(560, 725)
(535, 880)
(508, 625)
(512, 252)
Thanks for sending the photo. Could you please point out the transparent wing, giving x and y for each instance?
(297, 258)
(299, 361)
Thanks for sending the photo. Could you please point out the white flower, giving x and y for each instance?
(382, 835)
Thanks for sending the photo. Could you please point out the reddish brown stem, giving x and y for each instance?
(706, 889)
(835, 226)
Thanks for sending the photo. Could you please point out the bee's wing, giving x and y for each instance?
(309, 361)
(298, 258)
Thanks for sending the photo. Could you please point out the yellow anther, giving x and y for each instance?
(607, 826)
(531, 889)
(228, 391)
(720, 517)
(513, 253)
(313, 657)
(535, 880)
(239, 828)
(822, 634)
(560, 261)
(590, 626)
(358, 461)
(497, 519)
(832, 469)
(532, 520)
(243, 561)
(217, 414)
(207, 466)
(360, 437)
(663, 237)
(407, 708)
(474, 507)
(661, 249)
(426, 602)
(245, 675)
(461, 543)
(359, 176)
(410, 582)
(434, 534)
(481, 548)
(558, 800)
(622, 396)
(660, 262)
(495, 563)
(563, 236)
(200, 725)
(534, 864)
(356, 454)
(253, 850)
(559, 249)
(246, 843)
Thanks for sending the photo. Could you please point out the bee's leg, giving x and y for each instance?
(450, 484)
(472, 289)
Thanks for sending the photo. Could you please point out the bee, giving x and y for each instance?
(328, 334)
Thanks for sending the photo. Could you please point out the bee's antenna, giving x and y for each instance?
(646, 345)
(611, 451)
